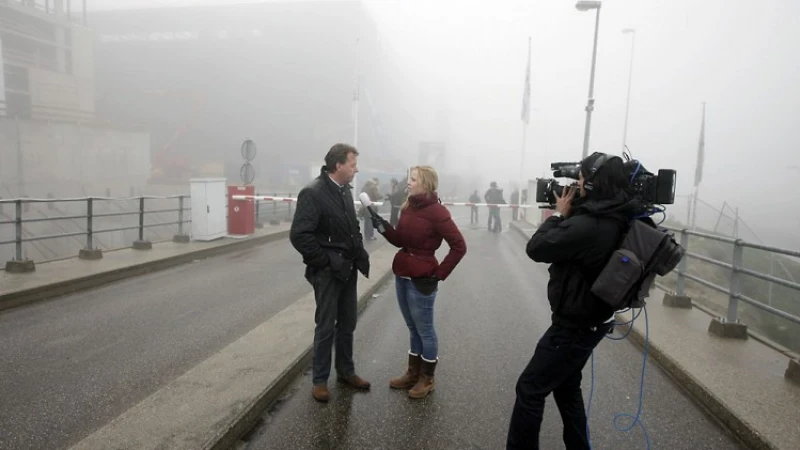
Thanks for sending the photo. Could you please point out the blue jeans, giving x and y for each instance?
(417, 310)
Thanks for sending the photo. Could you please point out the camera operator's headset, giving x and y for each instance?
(598, 163)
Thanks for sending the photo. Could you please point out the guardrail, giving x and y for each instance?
(270, 211)
(21, 205)
(730, 325)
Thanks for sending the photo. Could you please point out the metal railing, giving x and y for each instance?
(271, 211)
(21, 205)
(736, 272)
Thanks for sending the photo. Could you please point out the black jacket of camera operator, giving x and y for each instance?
(578, 248)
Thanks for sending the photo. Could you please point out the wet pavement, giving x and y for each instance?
(490, 314)
(72, 364)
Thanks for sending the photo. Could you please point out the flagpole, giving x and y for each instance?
(698, 175)
(356, 95)
(521, 169)
(525, 120)
(694, 207)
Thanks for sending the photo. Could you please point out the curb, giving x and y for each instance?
(250, 415)
(713, 405)
(520, 230)
(60, 288)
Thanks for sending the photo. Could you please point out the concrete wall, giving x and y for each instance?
(64, 158)
(50, 89)
(2, 82)
(83, 66)
(70, 90)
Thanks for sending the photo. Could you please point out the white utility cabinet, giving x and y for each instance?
(208, 208)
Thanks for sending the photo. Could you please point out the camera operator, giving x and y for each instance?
(577, 241)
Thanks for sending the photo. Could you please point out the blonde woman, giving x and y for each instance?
(423, 224)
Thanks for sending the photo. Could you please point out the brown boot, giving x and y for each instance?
(355, 381)
(320, 393)
(425, 384)
(411, 376)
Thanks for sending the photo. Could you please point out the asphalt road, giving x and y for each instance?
(490, 315)
(70, 365)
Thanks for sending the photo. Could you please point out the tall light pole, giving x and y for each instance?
(632, 32)
(356, 101)
(588, 5)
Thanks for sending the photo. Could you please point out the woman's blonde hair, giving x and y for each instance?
(427, 178)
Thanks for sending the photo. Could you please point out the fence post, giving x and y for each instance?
(18, 231)
(289, 211)
(730, 326)
(181, 237)
(682, 265)
(275, 220)
(259, 223)
(141, 244)
(90, 252)
(679, 299)
(733, 300)
(18, 264)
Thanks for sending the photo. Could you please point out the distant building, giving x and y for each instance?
(283, 74)
(51, 140)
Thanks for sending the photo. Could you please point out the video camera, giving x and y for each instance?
(644, 185)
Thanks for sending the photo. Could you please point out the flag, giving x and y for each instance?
(526, 96)
(698, 171)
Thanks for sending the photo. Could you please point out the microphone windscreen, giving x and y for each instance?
(364, 197)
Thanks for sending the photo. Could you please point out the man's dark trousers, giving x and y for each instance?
(336, 316)
(494, 219)
(555, 367)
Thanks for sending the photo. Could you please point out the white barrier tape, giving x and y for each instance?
(292, 200)
(487, 204)
(280, 199)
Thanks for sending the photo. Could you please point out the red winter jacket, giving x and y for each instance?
(419, 234)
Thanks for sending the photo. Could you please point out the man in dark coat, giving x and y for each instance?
(473, 215)
(577, 241)
(515, 201)
(326, 232)
(397, 197)
(494, 196)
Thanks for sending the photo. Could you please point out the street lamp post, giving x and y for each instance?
(587, 5)
(632, 32)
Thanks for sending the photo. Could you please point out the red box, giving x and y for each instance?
(241, 213)
(547, 213)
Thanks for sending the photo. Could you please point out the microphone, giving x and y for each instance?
(367, 203)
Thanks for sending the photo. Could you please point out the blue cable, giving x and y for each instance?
(589, 406)
(637, 418)
(636, 172)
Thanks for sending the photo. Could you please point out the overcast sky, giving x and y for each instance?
(741, 58)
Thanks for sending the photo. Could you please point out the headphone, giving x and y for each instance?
(598, 163)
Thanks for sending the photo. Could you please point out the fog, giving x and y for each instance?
(453, 71)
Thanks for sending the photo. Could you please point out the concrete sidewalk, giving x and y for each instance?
(740, 382)
(220, 399)
(53, 279)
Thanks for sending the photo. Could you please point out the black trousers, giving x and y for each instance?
(555, 367)
(336, 316)
(494, 220)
